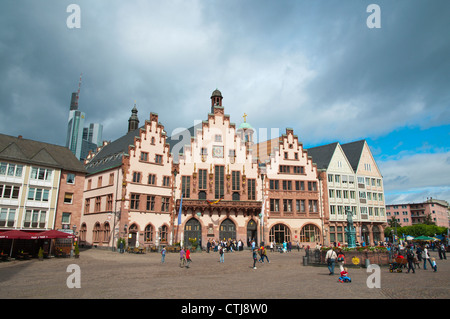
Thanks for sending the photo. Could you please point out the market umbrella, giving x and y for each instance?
(50, 234)
(16, 234)
(424, 238)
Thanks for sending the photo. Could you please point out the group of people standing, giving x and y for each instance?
(230, 245)
(413, 254)
(221, 248)
(422, 253)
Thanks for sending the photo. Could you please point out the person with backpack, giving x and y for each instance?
(410, 259)
(263, 253)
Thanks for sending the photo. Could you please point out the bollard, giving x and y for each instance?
(305, 261)
(367, 263)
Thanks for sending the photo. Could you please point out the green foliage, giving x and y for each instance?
(41, 253)
(417, 230)
(76, 249)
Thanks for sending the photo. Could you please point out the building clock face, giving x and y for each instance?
(217, 151)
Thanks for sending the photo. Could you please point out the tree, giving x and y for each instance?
(428, 220)
(394, 223)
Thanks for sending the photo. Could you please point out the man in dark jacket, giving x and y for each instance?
(410, 259)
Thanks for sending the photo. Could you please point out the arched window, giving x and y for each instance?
(164, 232)
(148, 233)
(133, 229)
(96, 233)
(280, 233)
(310, 234)
(106, 232)
(83, 230)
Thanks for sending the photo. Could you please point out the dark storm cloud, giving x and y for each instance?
(315, 60)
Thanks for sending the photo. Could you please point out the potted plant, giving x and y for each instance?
(77, 251)
(41, 254)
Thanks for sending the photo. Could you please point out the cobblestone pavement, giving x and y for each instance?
(106, 274)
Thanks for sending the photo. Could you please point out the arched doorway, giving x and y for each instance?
(252, 232)
(227, 230)
(365, 235)
(192, 230)
(310, 234)
(280, 233)
(376, 233)
(132, 236)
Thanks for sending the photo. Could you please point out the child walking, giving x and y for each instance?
(433, 264)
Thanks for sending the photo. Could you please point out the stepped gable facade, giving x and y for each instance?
(212, 182)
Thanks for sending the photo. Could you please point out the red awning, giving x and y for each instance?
(17, 234)
(54, 234)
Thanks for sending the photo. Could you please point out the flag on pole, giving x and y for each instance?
(179, 212)
(262, 210)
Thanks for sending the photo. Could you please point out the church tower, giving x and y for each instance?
(133, 121)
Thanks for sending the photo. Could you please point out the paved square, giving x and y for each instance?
(107, 274)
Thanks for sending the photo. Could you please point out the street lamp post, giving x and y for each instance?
(261, 223)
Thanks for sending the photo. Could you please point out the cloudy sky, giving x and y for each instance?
(313, 65)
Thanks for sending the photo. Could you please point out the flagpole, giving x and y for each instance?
(179, 219)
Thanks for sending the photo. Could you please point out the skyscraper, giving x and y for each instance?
(75, 126)
(80, 140)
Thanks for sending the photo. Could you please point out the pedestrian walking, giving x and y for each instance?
(419, 253)
(433, 264)
(221, 254)
(121, 247)
(331, 260)
(163, 255)
(255, 258)
(208, 246)
(442, 251)
(264, 254)
(410, 259)
(188, 258)
(182, 257)
(426, 256)
(341, 259)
